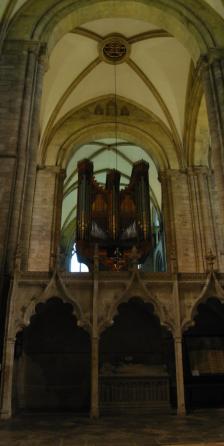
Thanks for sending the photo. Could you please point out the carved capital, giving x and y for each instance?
(177, 339)
(213, 55)
(198, 170)
(170, 173)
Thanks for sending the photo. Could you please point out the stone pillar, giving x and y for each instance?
(20, 382)
(168, 220)
(30, 179)
(20, 81)
(181, 410)
(46, 219)
(178, 222)
(7, 379)
(21, 74)
(213, 82)
(199, 179)
(56, 223)
(94, 411)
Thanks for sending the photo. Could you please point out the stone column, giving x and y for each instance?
(7, 379)
(181, 410)
(20, 381)
(94, 412)
(178, 221)
(31, 165)
(57, 211)
(199, 178)
(213, 82)
(20, 80)
(21, 74)
(168, 220)
(46, 218)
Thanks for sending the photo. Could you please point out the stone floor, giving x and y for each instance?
(197, 429)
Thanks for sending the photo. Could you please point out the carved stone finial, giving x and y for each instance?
(210, 259)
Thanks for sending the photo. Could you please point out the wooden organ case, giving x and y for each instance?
(115, 219)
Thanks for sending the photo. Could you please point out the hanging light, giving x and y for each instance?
(116, 112)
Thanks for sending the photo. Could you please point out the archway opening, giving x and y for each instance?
(52, 362)
(137, 370)
(204, 357)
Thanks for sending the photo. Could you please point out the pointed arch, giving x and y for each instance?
(134, 288)
(212, 288)
(55, 289)
(51, 20)
(79, 127)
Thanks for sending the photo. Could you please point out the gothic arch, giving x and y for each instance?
(106, 130)
(30, 311)
(72, 131)
(194, 312)
(47, 356)
(114, 311)
(193, 105)
(134, 290)
(211, 289)
(54, 19)
(51, 291)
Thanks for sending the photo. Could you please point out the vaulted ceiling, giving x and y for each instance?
(14, 5)
(155, 78)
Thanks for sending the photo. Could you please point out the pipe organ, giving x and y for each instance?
(117, 220)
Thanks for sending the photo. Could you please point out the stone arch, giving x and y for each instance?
(28, 311)
(48, 360)
(197, 128)
(137, 339)
(31, 309)
(212, 289)
(130, 293)
(72, 131)
(114, 310)
(194, 311)
(202, 136)
(124, 131)
(203, 343)
(193, 106)
(54, 19)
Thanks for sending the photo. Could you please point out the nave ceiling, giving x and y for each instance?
(157, 78)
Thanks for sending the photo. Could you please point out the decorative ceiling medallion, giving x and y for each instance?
(114, 49)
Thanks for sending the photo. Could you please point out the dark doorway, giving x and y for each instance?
(136, 360)
(52, 362)
(204, 357)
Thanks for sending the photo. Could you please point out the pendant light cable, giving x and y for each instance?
(115, 110)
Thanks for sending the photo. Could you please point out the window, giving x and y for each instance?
(75, 266)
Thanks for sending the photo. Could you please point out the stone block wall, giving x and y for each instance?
(42, 237)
